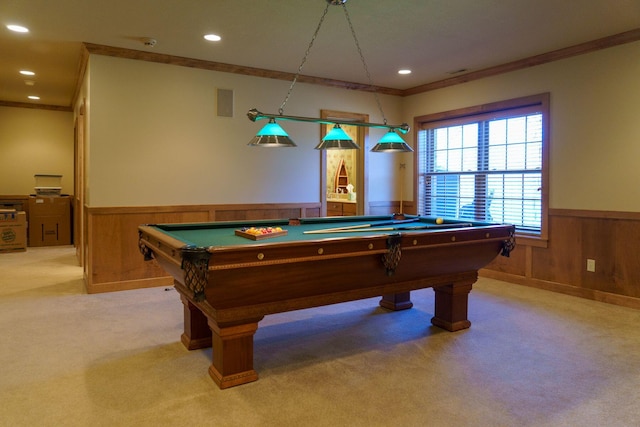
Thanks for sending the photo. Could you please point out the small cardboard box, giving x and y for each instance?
(13, 231)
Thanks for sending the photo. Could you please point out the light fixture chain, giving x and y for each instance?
(304, 59)
(364, 63)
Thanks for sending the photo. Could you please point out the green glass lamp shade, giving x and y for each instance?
(337, 139)
(391, 142)
(272, 135)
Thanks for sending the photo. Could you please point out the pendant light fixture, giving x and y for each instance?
(391, 142)
(272, 135)
(337, 139)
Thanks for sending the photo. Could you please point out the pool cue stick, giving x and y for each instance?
(418, 227)
(402, 166)
(359, 226)
(347, 228)
(352, 230)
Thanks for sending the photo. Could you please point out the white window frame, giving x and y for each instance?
(481, 113)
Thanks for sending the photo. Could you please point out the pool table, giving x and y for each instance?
(228, 281)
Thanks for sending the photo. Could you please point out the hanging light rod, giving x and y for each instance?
(255, 115)
(272, 135)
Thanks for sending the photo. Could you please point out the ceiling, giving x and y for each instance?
(433, 38)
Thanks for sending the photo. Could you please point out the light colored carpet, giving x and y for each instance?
(531, 358)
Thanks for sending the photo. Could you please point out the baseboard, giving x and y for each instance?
(591, 294)
(128, 285)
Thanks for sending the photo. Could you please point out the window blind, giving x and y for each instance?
(484, 167)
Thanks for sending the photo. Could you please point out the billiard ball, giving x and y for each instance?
(439, 220)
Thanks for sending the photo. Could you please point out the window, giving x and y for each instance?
(486, 163)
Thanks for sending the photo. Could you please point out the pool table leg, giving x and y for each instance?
(196, 327)
(399, 301)
(451, 307)
(233, 353)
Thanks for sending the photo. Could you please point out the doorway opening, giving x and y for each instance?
(343, 179)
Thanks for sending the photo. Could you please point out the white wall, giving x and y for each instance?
(34, 141)
(155, 139)
(595, 123)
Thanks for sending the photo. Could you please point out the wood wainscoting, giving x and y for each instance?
(611, 239)
(113, 261)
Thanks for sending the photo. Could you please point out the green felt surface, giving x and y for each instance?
(223, 233)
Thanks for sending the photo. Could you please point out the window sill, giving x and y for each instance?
(528, 240)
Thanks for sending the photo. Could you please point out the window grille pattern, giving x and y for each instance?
(485, 168)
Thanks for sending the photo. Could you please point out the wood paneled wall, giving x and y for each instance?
(113, 261)
(612, 239)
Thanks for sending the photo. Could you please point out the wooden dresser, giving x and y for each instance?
(341, 208)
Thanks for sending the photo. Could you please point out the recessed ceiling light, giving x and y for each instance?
(404, 71)
(149, 42)
(27, 73)
(29, 82)
(18, 28)
(213, 37)
(35, 98)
